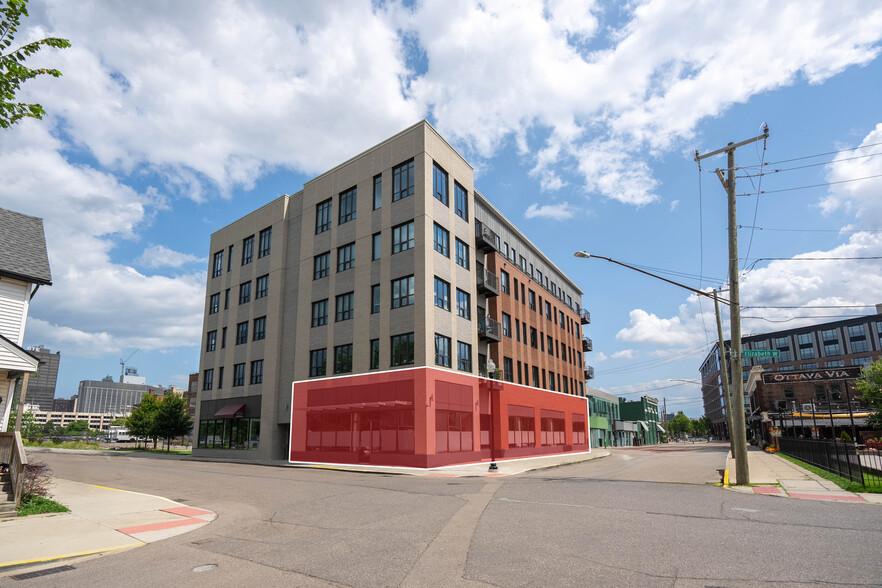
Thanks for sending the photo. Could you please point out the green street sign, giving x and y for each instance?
(760, 353)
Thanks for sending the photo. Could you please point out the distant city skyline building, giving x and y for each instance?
(64, 405)
(41, 388)
(109, 397)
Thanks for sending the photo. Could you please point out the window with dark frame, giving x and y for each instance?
(378, 191)
(375, 299)
(264, 242)
(463, 304)
(211, 340)
(375, 354)
(346, 257)
(317, 362)
(245, 293)
(207, 379)
(262, 287)
(503, 281)
(256, 372)
(214, 303)
(402, 237)
(402, 292)
(376, 248)
(442, 240)
(439, 184)
(402, 350)
(323, 212)
(242, 333)
(461, 201)
(227, 299)
(462, 254)
(247, 250)
(343, 359)
(345, 307)
(218, 266)
(320, 313)
(402, 181)
(463, 356)
(442, 350)
(238, 374)
(348, 201)
(259, 331)
(442, 294)
(321, 266)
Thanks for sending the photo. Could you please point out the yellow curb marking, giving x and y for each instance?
(56, 557)
(109, 488)
(726, 478)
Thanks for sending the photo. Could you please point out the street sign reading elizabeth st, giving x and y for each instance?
(760, 353)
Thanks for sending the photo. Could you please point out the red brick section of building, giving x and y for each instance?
(546, 338)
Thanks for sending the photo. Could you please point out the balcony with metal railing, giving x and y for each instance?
(485, 238)
(488, 283)
(488, 330)
(585, 316)
(587, 344)
(589, 373)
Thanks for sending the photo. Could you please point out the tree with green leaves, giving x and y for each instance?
(13, 71)
(141, 422)
(869, 384)
(77, 427)
(172, 418)
(680, 424)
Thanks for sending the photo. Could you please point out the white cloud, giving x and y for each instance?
(560, 212)
(161, 256)
(599, 356)
(623, 354)
(859, 197)
(674, 205)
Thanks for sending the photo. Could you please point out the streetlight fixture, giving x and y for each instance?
(737, 439)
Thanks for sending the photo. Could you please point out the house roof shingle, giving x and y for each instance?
(23, 248)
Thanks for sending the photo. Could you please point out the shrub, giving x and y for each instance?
(37, 479)
(845, 437)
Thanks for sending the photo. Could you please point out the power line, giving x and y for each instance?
(759, 259)
(816, 316)
(821, 306)
(811, 230)
(813, 185)
(824, 154)
(764, 172)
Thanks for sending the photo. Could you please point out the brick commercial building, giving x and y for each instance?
(853, 342)
(389, 313)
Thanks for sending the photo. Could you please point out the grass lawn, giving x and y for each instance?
(63, 444)
(875, 487)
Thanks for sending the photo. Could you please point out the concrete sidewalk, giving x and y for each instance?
(773, 475)
(100, 520)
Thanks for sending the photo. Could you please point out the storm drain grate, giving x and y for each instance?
(40, 573)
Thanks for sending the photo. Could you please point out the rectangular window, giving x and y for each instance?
(227, 299)
(507, 369)
(343, 359)
(247, 250)
(442, 294)
(534, 338)
(463, 356)
(218, 266)
(317, 362)
(323, 216)
(859, 346)
(862, 361)
(516, 288)
(517, 330)
(835, 363)
(442, 240)
(224, 338)
(461, 201)
(321, 265)
(547, 310)
(856, 331)
(346, 257)
(376, 250)
(828, 335)
(208, 379)
(503, 281)
(402, 292)
(245, 293)
(831, 349)
(259, 328)
(220, 377)
(549, 345)
(214, 303)
(463, 304)
(378, 191)
(211, 340)
(256, 372)
(536, 377)
(347, 206)
(442, 350)
(375, 299)
(402, 350)
(239, 374)
(262, 287)
(375, 354)
(532, 300)
(462, 254)
(242, 333)
(265, 242)
(402, 181)
(402, 237)
(320, 313)
(806, 353)
(506, 325)
(345, 306)
(230, 259)
(439, 184)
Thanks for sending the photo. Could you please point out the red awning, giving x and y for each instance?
(230, 411)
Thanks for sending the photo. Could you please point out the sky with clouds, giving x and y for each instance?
(581, 118)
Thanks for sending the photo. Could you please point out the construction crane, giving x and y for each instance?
(122, 363)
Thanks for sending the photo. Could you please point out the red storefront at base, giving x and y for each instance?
(428, 417)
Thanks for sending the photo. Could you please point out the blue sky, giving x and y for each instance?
(580, 119)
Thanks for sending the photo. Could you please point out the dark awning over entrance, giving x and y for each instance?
(230, 411)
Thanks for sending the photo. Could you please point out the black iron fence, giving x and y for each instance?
(842, 459)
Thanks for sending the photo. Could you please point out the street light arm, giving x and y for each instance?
(585, 255)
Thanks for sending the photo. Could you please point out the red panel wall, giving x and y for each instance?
(424, 417)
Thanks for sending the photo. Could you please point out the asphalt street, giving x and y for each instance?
(640, 517)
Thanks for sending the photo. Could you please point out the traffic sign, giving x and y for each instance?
(760, 353)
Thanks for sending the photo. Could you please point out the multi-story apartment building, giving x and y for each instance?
(356, 320)
(41, 389)
(837, 344)
(109, 397)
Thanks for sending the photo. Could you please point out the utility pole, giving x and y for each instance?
(727, 397)
(738, 433)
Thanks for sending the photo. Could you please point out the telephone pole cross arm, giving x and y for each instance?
(738, 431)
